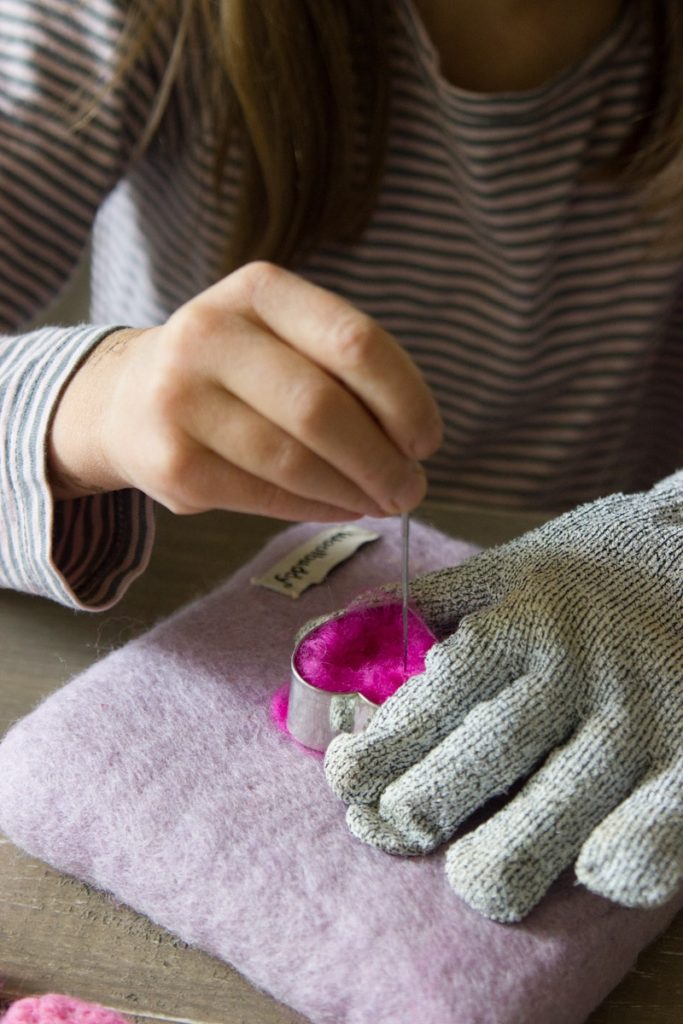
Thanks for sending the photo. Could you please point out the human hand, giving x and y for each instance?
(263, 394)
(566, 663)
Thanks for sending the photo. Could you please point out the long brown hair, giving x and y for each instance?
(304, 85)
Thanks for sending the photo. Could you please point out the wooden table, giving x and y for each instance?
(58, 935)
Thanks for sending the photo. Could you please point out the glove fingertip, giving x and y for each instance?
(369, 827)
(501, 886)
(631, 883)
(485, 895)
(347, 777)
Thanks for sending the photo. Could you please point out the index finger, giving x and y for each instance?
(351, 346)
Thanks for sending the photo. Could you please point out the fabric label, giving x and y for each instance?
(312, 561)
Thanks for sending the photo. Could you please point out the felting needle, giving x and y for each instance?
(405, 536)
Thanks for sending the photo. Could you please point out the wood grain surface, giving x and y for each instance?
(57, 934)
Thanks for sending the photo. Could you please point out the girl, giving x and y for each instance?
(476, 204)
(499, 218)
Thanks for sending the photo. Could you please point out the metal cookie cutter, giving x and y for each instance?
(314, 716)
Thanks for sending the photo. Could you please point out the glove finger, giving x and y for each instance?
(446, 596)
(499, 741)
(469, 667)
(635, 856)
(505, 866)
(365, 824)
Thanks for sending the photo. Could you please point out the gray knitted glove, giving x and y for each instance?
(567, 663)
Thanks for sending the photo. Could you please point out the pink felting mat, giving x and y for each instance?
(158, 776)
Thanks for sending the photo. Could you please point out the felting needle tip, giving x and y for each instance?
(405, 539)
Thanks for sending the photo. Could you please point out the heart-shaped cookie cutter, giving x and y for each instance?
(315, 717)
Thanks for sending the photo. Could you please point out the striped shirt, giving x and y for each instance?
(531, 293)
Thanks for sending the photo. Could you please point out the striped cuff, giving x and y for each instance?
(84, 552)
(101, 543)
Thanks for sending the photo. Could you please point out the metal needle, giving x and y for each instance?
(405, 536)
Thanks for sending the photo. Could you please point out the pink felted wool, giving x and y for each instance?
(358, 652)
(56, 1009)
(362, 652)
(158, 776)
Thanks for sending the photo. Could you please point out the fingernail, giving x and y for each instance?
(375, 511)
(412, 492)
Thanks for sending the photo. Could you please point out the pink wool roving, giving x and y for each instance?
(362, 652)
(358, 652)
(56, 1009)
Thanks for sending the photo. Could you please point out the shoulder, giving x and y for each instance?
(51, 49)
(73, 24)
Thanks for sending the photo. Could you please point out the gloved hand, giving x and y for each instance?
(567, 662)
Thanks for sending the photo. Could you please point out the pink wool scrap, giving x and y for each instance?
(362, 652)
(56, 1009)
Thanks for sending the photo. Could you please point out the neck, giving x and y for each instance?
(502, 45)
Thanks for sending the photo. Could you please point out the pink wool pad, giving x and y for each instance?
(57, 1009)
(157, 775)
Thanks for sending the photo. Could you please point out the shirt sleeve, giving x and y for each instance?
(54, 175)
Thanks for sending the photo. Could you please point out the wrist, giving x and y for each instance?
(78, 462)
